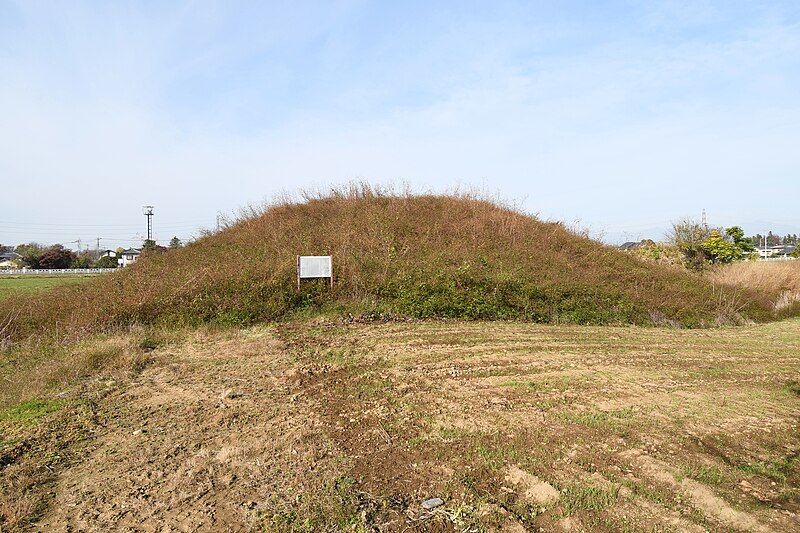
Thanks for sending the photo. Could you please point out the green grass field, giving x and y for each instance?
(10, 286)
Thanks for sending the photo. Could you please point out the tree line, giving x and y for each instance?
(56, 256)
(773, 240)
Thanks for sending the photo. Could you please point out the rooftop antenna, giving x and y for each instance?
(148, 212)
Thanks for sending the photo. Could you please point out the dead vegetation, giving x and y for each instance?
(780, 280)
(395, 254)
(330, 426)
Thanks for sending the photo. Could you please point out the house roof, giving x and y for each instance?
(782, 248)
(9, 255)
(630, 245)
(131, 251)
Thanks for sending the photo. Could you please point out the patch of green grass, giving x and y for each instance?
(490, 455)
(496, 453)
(596, 419)
(451, 434)
(339, 356)
(778, 470)
(704, 473)
(371, 386)
(576, 498)
(793, 387)
(27, 412)
(551, 403)
(639, 489)
(416, 441)
(12, 286)
(150, 343)
(553, 383)
(333, 508)
(524, 384)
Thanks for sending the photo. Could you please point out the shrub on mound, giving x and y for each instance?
(413, 255)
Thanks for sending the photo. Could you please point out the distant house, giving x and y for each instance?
(633, 245)
(129, 256)
(108, 253)
(10, 260)
(781, 251)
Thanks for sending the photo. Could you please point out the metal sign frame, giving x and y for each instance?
(299, 263)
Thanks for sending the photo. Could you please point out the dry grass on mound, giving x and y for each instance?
(780, 280)
(423, 256)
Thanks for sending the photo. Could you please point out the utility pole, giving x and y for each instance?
(705, 223)
(98, 246)
(218, 224)
(148, 212)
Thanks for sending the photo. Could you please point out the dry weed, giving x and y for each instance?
(778, 280)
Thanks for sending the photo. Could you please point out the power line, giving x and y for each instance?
(78, 225)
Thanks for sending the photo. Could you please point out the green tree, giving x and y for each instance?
(175, 242)
(83, 260)
(736, 234)
(721, 250)
(106, 262)
(31, 254)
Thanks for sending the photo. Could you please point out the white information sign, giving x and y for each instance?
(314, 266)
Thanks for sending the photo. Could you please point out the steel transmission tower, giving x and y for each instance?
(148, 212)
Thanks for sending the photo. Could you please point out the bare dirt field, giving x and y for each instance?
(325, 426)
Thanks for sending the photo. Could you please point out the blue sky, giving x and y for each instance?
(616, 116)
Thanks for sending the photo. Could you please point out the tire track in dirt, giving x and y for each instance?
(703, 498)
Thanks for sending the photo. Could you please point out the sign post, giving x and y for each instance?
(314, 266)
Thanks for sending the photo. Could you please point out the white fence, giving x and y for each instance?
(53, 271)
